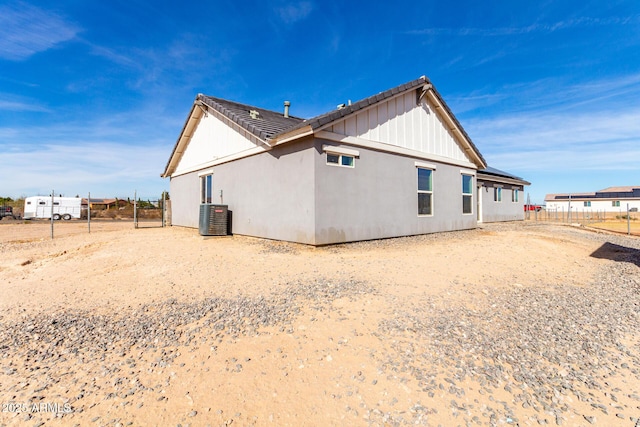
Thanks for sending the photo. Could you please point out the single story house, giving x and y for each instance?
(397, 163)
(611, 199)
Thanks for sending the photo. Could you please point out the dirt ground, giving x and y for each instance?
(325, 362)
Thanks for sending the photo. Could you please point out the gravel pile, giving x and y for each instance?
(166, 323)
(539, 345)
(156, 331)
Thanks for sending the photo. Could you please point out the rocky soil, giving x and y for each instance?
(536, 325)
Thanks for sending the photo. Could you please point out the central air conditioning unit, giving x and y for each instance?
(214, 220)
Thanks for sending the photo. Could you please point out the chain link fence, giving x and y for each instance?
(624, 220)
(92, 211)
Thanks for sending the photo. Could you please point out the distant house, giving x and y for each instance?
(395, 164)
(612, 199)
(102, 204)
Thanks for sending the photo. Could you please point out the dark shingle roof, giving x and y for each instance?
(265, 124)
(331, 116)
(269, 125)
(498, 173)
(493, 171)
(626, 192)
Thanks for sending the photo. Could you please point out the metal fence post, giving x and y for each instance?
(628, 221)
(52, 193)
(135, 209)
(89, 212)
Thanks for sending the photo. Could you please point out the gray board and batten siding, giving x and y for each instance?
(348, 175)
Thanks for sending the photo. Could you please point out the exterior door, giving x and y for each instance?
(479, 210)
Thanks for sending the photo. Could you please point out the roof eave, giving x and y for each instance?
(503, 179)
(193, 118)
(454, 126)
(316, 124)
(292, 135)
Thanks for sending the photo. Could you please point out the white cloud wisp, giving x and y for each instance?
(26, 30)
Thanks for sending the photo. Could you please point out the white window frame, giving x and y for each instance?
(514, 195)
(428, 167)
(206, 194)
(615, 203)
(497, 194)
(587, 204)
(341, 157)
(463, 174)
(341, 153)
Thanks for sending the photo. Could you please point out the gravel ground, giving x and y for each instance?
(555, 354)
(538, 344)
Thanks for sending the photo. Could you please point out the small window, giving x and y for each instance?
(41, 203)
(615, 203)
(206, 189)
(467, 194)
(425, 191)
(346, 160)
(56, 203)
(497, 194)
(340, 160)
(587, 204)
(514, 195)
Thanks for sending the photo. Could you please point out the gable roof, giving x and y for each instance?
(272, 128)
(423, 87)
(337, 114)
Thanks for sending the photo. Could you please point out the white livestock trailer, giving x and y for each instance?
(63, 207)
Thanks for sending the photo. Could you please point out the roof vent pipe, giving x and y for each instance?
(286, 108)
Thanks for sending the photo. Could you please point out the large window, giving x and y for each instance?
(425, 191)
(467, 194)
(497, 194)
(206, 188)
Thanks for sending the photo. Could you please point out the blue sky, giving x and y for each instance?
(94, 94)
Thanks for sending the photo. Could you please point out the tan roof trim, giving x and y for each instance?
(290, 136)
(196, 113)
